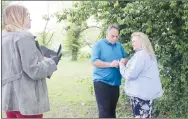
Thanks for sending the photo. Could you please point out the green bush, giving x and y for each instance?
(84, 55)
(166, 24)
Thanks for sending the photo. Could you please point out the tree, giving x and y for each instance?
(76, 25)
(166, 23)
(46, 36)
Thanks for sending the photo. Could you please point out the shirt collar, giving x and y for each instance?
(109, 42)
(138, 49)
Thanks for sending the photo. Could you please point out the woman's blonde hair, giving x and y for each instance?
(14, 18)
(145, 42)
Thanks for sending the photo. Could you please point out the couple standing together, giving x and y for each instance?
(141, 74)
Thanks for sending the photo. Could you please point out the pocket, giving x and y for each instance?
(11, 78)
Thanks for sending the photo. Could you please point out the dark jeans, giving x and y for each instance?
(107, 97)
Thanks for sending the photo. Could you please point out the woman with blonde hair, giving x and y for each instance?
(141, 73)
(24, 69)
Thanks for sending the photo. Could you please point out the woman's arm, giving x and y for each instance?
(133, 67)
(30, 56)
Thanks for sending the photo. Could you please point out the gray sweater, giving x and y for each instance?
(142, 76)
(24, 71)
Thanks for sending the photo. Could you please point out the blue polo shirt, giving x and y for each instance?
(107, 52)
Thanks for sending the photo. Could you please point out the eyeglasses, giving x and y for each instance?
(28, 15)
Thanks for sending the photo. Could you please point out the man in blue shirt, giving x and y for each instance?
(106, 54)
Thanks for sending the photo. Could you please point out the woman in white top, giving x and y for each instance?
(141, 73)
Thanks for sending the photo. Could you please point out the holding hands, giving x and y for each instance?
(124, 61)
(114, 64)
(117, 63)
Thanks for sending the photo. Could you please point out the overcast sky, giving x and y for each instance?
(38, 8)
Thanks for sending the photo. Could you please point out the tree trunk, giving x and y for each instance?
(74, 55)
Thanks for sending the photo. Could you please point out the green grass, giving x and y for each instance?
(70, 92)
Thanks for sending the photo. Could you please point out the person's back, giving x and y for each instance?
(24, 69)
(7, 57)
(10, 55)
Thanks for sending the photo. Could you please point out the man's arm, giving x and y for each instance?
(97, 62)
(102, 64)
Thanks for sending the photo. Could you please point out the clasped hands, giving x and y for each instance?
(116, 63)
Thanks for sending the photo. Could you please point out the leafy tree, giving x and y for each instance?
(166, 23)
(77, 24)
(46, 36)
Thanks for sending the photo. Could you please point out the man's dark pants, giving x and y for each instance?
(107, 97)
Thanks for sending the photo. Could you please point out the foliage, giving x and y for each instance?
(45, 37)
(84, 55)
(72, 42)
(77, 24)
(166, 24)
(4, 4)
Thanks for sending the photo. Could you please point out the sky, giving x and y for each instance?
(38, 8)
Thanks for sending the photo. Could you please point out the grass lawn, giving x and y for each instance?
(70, 92)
